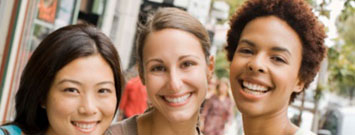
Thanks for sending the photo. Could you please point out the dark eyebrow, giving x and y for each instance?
(105, 82)
(161, 61)
(154, 59)
(281, 49)
(68, 80)
(248, 42)
(277, 49)
(78, 83)
(185, 56)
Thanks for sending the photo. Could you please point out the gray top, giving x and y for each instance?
(125, 127)
(129, 127)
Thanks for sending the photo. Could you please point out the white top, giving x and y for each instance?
(301, 131)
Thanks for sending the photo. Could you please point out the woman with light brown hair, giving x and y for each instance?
(175, 66)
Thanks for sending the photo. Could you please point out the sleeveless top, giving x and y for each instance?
(301, 131)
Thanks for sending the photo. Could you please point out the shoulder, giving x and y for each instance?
(125, 127)
(10, 130)
(301, 131)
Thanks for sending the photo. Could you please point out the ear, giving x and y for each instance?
(210, 67)
(299, 86)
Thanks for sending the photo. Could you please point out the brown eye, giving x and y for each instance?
(278, 59)
(71, 90)
(246, 51)
(158, 68)
(103, 90)
(187, 64)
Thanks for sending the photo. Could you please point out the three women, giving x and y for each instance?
(275, 49)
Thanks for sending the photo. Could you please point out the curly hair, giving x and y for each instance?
(299, 16)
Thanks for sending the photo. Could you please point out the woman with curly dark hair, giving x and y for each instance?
(275, 48)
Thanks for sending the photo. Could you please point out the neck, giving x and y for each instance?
(273, 124)
(157, 124)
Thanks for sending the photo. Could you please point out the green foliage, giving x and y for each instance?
(349, 9)
(222, 64)
(342, 55)
(346, 27)
(342, 69)
(312, 3)
(320, 7)
(319, 91)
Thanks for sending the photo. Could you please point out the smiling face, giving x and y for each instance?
(82, 98)
(265, 66)
(175, 72)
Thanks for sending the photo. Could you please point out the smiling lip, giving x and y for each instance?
(177, 100)
(253, 89)
(84, 126)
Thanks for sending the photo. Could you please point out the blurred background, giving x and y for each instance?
(327, 107)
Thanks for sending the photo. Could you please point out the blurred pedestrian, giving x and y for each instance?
(134, 99)
(218, 110)
(212, 84)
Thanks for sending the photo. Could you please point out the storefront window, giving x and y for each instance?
(44, 16)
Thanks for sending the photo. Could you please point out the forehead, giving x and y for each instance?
(272, 30)
(171, 42)
(84, 68)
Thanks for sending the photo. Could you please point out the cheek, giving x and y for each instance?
(108, 105)
(285, 80)
(236, 66)
(153, 85)
(199, 80)
(235, 70)
(59, 109)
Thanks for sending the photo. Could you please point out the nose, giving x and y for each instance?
(175, 81)
(257, 64)
(88, 106)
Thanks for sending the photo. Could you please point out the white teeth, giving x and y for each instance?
(177, 99)
(84, 126)
(252, 92)
(254, 87)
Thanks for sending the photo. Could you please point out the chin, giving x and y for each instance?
(249, 112)
(248, 109)
(181, 116)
